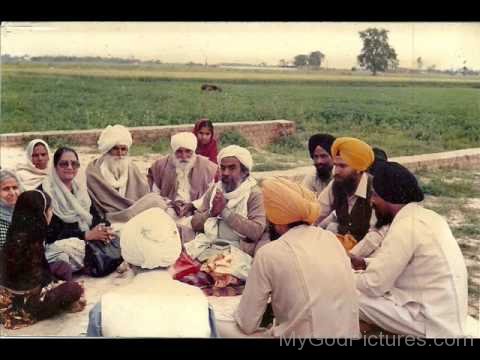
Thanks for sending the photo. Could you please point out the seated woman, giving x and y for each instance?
(207, 145)
(32, 172)
(10, 189)
(28, 291)
(75, 220)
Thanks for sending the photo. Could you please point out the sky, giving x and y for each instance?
(446, 45)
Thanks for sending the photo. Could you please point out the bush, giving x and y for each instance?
(233, 138)
(287, 144)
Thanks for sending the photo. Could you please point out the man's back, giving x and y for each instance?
(420, 266)
(155, 305)
(312, 286)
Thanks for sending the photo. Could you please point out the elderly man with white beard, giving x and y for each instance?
(117, 187)
(182, 177)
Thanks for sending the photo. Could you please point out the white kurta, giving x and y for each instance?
(155, 305)
(308, 275)
(418, 276)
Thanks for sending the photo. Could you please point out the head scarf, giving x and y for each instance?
(242, 154)
(183, 140)
(209, 150)
(30, 176)
(31, 145)
(24, 264)
(70, 208)
(287, 202)
(323, 140)
(150, 240)
(6, 211)
(356, 153)
(396, 184)
(112, 136)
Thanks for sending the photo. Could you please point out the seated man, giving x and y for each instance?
(305, 272)
(417, 282)
(117, 188)
(319, 147)
(182, 177)
(345, 203)
(153, 304)
(232, 209)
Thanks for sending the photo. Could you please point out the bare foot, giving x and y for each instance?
(123, 267)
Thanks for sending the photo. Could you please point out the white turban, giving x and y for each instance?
(112, 136)
(151, 240)
(242, 154)
(185, 140)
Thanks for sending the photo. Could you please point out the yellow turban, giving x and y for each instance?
(287, 202)
(357, 154)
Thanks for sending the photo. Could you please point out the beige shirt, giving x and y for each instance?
(326, 197)
(313, 183)
(308, 276)
(420, 266)
(251, 227)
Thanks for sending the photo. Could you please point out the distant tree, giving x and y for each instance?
(377, 54)
(282, 63)
(316, 58)
(432, 67)
(419, 63)
(300, 60)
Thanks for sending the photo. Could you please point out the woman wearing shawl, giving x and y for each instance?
(32, 172)
(28, 292)
(10, 189)
(74, 218)
(207, 145)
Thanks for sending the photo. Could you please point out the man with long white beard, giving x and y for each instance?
(182, 177)
(117, 187)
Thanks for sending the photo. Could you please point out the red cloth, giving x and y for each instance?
(209, 150)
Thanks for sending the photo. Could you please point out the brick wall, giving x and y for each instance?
(258, 133)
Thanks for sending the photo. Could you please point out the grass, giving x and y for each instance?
(233, 138)
(160, 147)
(402, 115)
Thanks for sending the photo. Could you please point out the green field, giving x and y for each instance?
(405, 115)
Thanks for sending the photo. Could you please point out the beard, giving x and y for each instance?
(324, 173)
(274, 235)
(349, 185)
(117, 166)
(229, 185)
(382, 219)
(183, 165)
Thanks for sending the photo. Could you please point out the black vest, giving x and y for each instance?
(357, 222)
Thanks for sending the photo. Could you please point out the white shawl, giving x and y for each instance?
(237, 203)
(69, 207)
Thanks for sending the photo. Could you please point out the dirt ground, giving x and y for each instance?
(75, 324)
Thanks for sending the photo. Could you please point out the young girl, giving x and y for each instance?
(207, 145)
(28, 290)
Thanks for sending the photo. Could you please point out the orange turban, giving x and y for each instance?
(357, 154)
(287, 202)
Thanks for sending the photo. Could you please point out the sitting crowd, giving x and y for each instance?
(348, 251)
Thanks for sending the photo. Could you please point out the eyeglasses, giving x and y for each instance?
(73, 163)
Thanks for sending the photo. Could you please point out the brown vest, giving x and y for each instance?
(357, 222)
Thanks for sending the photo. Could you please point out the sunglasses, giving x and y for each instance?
(73, 163)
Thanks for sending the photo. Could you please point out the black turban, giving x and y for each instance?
(380, 157)
(396, 184)
(323, 140)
